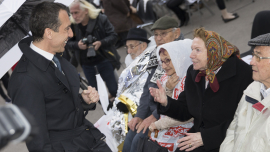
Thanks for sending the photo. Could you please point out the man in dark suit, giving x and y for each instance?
(47, 86)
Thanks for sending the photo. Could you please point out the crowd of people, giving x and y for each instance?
(196, 93)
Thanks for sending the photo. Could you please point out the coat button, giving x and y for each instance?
(59, 83)
(65, 90)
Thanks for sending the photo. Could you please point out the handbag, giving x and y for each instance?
(147, 145)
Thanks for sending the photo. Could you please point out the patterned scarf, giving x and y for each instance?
(218, 51)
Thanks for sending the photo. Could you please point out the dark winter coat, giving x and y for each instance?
(52, 98)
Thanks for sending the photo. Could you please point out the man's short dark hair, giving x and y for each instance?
(45, 15)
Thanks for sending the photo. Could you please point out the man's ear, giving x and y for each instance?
(48, 33)
(177, 33)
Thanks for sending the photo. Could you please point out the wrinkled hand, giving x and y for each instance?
(133, 122)
(90, 95)
(81, 45)
(159, 94)
(152, 127)
(133, 9)
(145, 124)
(97, 45)
(172, 81)
(191, 141)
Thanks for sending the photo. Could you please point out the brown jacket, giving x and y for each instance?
(116, 11)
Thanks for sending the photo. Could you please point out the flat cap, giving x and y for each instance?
(164, 23)
(262, 40)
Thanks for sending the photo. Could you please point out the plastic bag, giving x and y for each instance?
(168, 137)
(103, 125)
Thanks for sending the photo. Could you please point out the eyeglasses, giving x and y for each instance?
(163, 34)
(132, 47)
(258, 58)
(166, 61)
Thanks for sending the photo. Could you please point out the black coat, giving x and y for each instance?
(100, 28)
(212, 112)
(51, 97)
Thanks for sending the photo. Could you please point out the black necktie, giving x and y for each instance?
(56, 61)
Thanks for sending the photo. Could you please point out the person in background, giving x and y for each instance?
(249, 130)
(211, 94)
(180, 13)
(225, 15)
(87, 21)
(119, 13)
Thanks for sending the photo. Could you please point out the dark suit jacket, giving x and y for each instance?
(51, 97)
(212, 112)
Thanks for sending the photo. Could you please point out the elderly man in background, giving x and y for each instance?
(166, 29)
(250, 129)
(87, 21)
(136, 43)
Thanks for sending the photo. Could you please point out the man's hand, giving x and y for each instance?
(81, 45)
(97, 44)
(133, 122)
(90, 95)
(159, 94)
(172, 81)
(145, 124)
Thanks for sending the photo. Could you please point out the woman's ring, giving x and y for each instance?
(190, 145)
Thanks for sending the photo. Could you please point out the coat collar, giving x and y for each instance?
(91, 25)
(39, 61)
(227, 70)
(42, 63)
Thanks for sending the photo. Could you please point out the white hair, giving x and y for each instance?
(93, 12)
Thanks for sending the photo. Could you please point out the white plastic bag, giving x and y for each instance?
(168, 137)
(103, 125)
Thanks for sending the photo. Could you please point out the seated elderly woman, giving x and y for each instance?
(214, 85)
(174, 59)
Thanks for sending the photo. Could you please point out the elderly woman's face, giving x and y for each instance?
(166, 63)
(198, 54)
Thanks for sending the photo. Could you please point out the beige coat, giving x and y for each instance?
(250, 129)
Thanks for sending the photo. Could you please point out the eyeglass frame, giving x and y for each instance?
(259, 57)
(164, 34)
(133, 47)
(166, 62)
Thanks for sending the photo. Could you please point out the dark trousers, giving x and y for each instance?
(174, 6)
(131, 140)
(105, 69)
(221, 4)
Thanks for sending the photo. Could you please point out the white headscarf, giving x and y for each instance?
(179, 52)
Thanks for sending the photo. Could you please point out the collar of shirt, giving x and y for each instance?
(265, 92)
(206, 82)
(43, 53)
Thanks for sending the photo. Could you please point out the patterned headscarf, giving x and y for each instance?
(218, 51)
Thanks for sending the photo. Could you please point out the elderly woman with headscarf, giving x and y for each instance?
(214, 85)
(174, 59)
